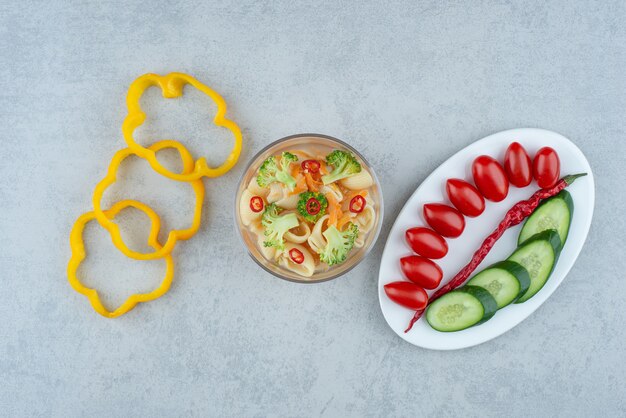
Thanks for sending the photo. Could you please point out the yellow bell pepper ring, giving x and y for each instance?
(174, 235)
(78, 255)
(171, 86)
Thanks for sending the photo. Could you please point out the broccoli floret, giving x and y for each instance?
(339, 244)
(272, 170)
(344, 165)
(276, 226)
(304, 210)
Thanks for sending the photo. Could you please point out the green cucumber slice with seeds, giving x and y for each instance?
(553, 213)
(460, 309)
(506, 281)
(538, 255)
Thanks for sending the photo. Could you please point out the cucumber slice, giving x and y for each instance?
(461, 309)
(506, 281)
(554, 213)
(538, 256)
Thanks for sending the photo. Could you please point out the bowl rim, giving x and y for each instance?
(376, 232)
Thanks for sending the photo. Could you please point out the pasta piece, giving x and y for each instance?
(268, 252)
(332, 189)
(365, 220)
(360, 240)
(359, 181)
(316, 240)
(301, 185)
(305, 269)
(275, 193)
(321, 267)
(302, 155)
(245, 212)
(257, 190)
(305, 230)
(257, 228)
(348, 217)
(288, 201)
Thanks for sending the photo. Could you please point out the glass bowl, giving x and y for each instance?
(249, 239)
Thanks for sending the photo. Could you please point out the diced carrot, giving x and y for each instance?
(339, 212)
(332, 219)
(311, 183)
(301, 186)
(352, 194)
(334, 210)
(295, 170)
(331, 209)
(323, 168)
(344, 220)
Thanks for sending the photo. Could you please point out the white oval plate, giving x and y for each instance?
(461, 249)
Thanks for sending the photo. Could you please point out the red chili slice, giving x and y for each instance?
(256, 204)
(357, 204)
(296, 256)
(313, 206)
(310, 166)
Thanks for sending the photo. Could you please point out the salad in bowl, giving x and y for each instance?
(308, 208)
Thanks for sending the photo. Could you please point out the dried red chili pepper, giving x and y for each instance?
(520, 211)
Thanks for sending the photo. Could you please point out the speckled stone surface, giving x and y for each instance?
(408, 84)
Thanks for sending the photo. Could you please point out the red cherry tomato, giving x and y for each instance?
(310, 166)
(490, 179)
(517, 165)
(421, 271)
(256, 204)
(426, 242)
(296, 256)
(407, 294)
(448, 221)
(465, 197)
(546, 167)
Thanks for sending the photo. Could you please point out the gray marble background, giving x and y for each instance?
(408, 84)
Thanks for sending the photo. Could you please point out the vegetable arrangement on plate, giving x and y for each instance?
(548, 214)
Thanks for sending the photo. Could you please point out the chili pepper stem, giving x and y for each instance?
(572, 177)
